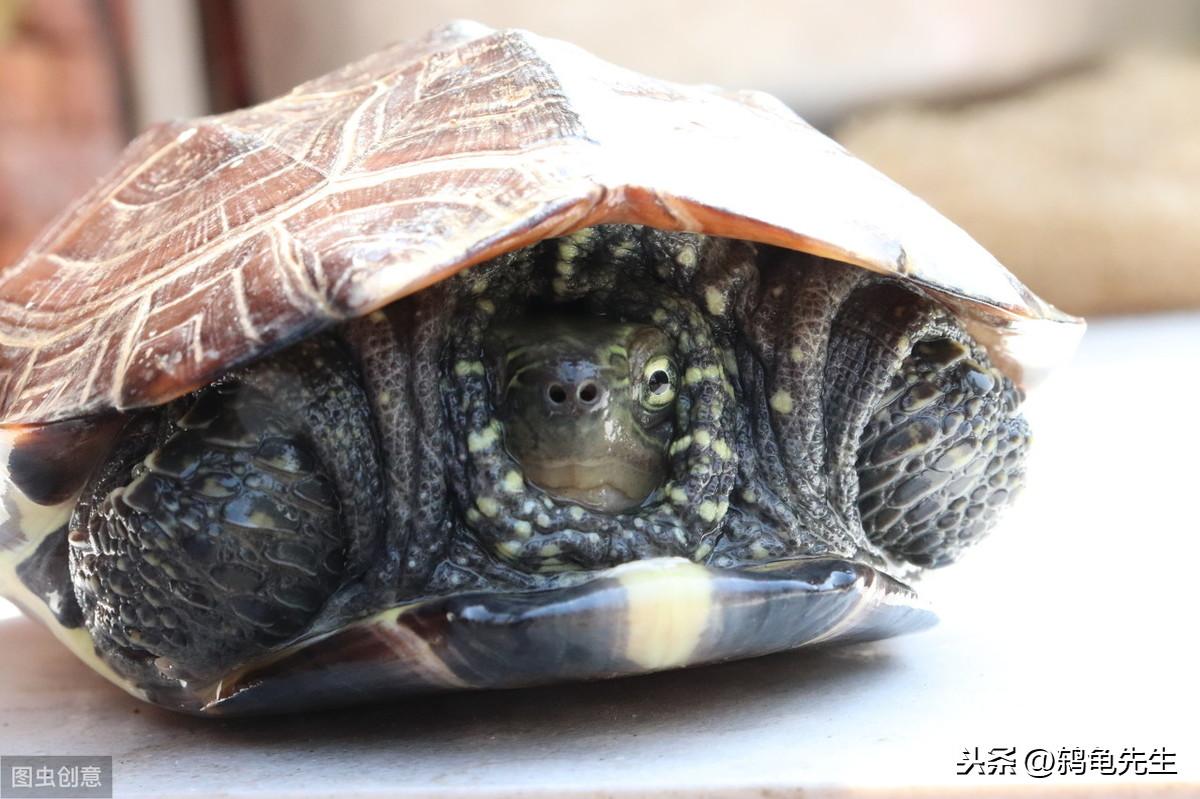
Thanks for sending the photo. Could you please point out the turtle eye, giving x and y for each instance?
(658, 383)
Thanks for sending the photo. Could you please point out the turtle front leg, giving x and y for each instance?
(212, 537)
(933, 431)
(878, 422)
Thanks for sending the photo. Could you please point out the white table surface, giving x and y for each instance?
(1074, 626)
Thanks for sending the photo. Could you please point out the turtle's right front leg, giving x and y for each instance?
(212, 537)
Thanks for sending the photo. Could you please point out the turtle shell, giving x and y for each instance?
(217, 241)
(635, 618)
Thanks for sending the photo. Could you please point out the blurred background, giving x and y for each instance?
(1065, 136)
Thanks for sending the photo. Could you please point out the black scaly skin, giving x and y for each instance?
(397, 351)
(783, 500)
(942, 456)
(219, 527)
(822, 410)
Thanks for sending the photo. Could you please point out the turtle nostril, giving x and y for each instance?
(588, 393)
(557, 394)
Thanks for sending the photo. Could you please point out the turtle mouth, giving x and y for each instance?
(608, 485)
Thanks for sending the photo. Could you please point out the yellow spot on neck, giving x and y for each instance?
(513, 482)
(714, 300)
(464, 368)
(488, 506)
(781, 401)
(477, 442)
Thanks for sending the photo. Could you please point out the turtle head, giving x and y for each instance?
(587, 405)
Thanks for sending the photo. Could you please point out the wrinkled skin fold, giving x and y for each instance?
(817, 411)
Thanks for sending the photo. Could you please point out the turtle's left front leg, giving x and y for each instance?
(878, 424)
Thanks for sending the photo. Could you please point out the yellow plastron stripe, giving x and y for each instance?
(669, 606)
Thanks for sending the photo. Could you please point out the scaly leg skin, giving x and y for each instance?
(212, 537)
(944, 451)
(878, 427)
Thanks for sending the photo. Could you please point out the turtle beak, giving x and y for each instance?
(635, 618)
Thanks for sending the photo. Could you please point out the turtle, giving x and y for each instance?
(484, 363)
